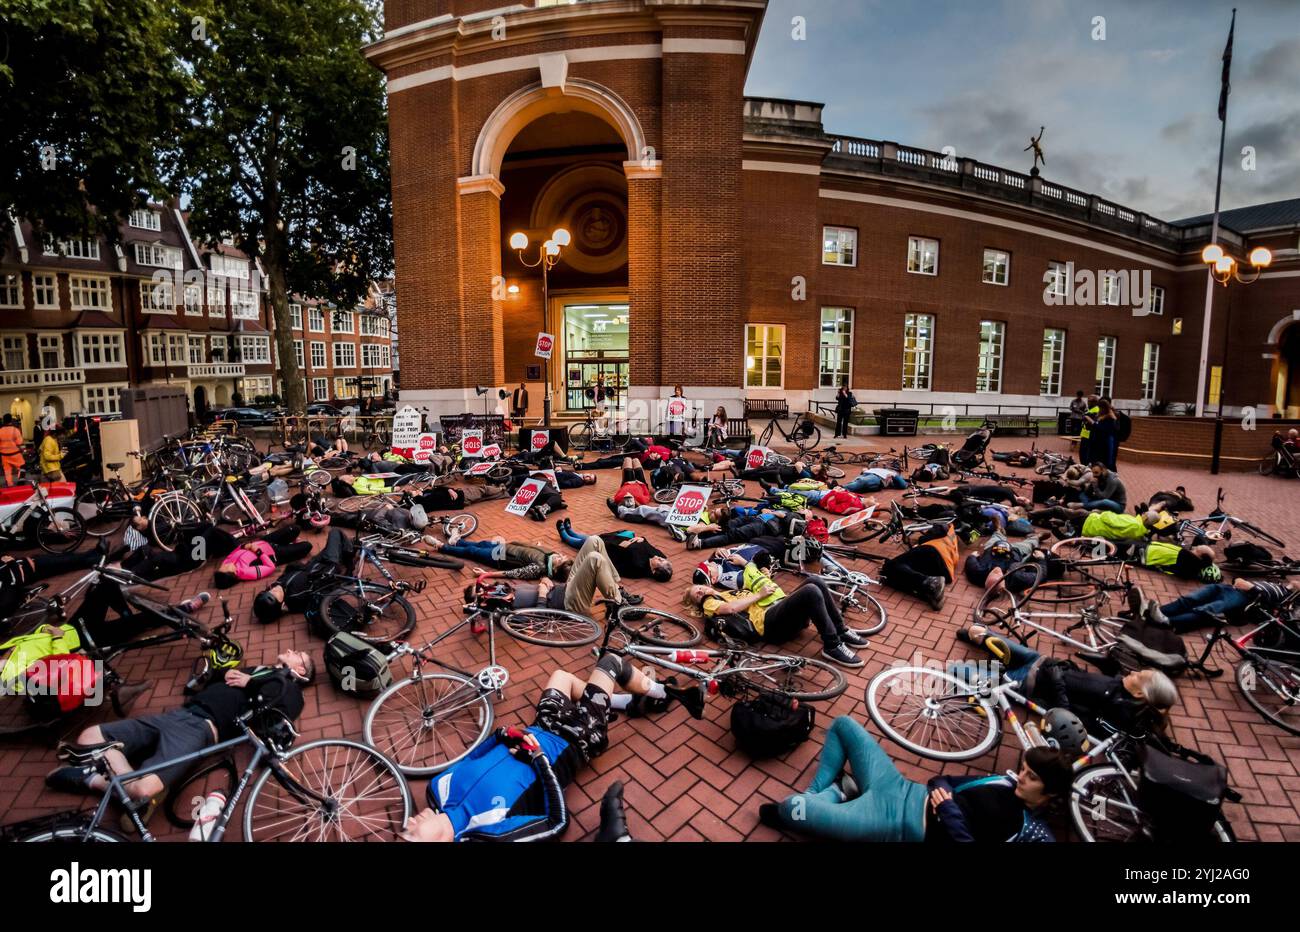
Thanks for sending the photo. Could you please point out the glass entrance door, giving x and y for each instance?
(595, 354)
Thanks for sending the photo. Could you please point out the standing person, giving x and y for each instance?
(1085, 432)
(677, 426)
(519, 403)
(844, 405)
(1078, 407)
(51, 457)
(11, 449)
(1105, 435)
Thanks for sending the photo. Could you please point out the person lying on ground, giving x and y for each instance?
(511, 787)
(725, 568)
(1134, 703)
(385, 516)
(732, 524)
(926, 570)
(1192, 563)
(874, 479)
(632, 555)
(302, 586)
(257, 559)
(197, 543)
(594, 572)
(1199, 609)
(321, 446)
(18, 573)
(545, 593)
(458, 498)
(858, 794)
(835, 501)
(509, 560)
(1108, 525)
(761, 611)
(207, 718)
(999, 559)
(349, 484)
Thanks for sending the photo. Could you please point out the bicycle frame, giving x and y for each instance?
(33, 507)
(1089, 616)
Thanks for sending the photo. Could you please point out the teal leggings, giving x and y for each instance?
(889, 807)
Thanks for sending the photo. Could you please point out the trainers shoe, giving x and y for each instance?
(842, 655)
(1156, 615)
(630, 598)
(694, 543)
(613, 819)
(933, 592)
(849, 786)
(612, 506)
(677, 533)
(1137, 603)
(70, 779)
(854, 638)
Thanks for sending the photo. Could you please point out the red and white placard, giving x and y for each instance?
(471, 443)
(524, 498)
(847, 521)
(689, 504)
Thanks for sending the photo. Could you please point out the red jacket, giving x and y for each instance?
(841, 502)
(638, 490)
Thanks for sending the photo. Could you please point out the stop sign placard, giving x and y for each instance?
(689, 505)
(524, 497)
(676, 408)
(540, 439)
(471, 443)
(756, 457)
(545, 345)
(492, 451)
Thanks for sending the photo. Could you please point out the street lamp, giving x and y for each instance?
(548, 254)
(1226, 269)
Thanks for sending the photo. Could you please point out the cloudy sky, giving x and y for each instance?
(1132, 118)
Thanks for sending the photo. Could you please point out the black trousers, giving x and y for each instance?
(811, 602)
(842, 423)
(908, 572)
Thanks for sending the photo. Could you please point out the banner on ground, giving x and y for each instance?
(689, 504)
(524, 498)
(471, 443)
(480, 469)
(546, 474)
(848, 521)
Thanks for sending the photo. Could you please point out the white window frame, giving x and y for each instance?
(338, 354)
(320, 389)
(295, 316)
(1060, 275)
(916, 247)
(1150, 371)
(298, 354)
(43, 282)
(193, 300)
(840, 374)
(142, 218)
(220, 347)
(102, 398)
(921, 354)
(11, 289)
(81, 286)
(177, 349)
(315, 320)
(157, 297)
(319, 356)
(836, 254)
(1054, 361)
(229, 266)
(1001, 259)
(1107, 347)
(245, 304)
(159, 255)
(1157, 301)
(387, 352)
(371, 357)
(214, 295)
(765, 354)
(370, 326)
(342, 390)
(73, 248)
(992, 352)
(1109, 289)
(47, 341)
(349, 324)
(15, 343)
(198, 343)
(254, 349)
(101, 343)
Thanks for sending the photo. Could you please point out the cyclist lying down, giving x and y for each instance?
(511, 787)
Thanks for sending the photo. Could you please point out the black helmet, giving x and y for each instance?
(266, 607)
(1063, 730)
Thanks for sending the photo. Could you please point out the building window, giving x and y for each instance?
(371, 357)
(11, 290)
(45, 289)
(244, 304)
(100, 350)
(255, 387)
(918, 351)
(345, 355)
(155, 346)
(315, 320)
(194, 300)
(1058, 275)
(198, 354)
(1053, 362)
(317, 355)
(764, 355)
(992, 338)
(295, 316)
(255, 349)
(370, 325)
(176, 349)
(156, 297)
(839, 246)
(102, 399)
(836, 347)
(228, 266)
(345, 388)
(1105, 367)
(343, 322)
(49, 350)
(89, 293)
(387, 356)
(997, 267)
(297, 354)
(14, 349)
(145, 219)
(1110, 288)
(166, 257)
(218, 347)
(320, 389)
(72, 249)
(216, 297)
(1157, 301)
(922, 255)
(1150, 370)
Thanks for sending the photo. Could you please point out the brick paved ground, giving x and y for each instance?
(685, 780)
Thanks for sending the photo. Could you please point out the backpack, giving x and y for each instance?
(803, 549)
(1123, 426)
(357, 667)
(1182, 794)
(1246, 552)
(1143, 645)
(770, 725)
(59, 684)
(818, 530)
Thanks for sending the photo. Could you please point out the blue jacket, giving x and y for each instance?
(952, 819)
(483, 792)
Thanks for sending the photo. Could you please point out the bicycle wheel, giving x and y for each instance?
(731, 488)
(184, 799)
(404, 556)
(1260, 533)
(234, 513)
(806, 439)
(373, 615)
(550, 627)
(104, 510)
(169, 514)
(862, 611)
(871, 529)
(834, 472)
(1084, 551)
(932, 713)
(60, 530)
(320, 478)
(802, 678)
(580, 438)
(1063, 592)
(365, 797)
(651, 626)
(1104, 807)
(71, 830)
(1273, 688)
(1268, 465)
(666, 496)
(426, 724)
(766, 436)
(462, 525)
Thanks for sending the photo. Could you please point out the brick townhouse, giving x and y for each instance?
(737, 247)
(81, 320)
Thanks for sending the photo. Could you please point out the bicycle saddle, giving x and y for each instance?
(71, 752)
(115, 466)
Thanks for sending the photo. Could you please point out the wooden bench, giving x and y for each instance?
(765, 408)
(1012, 423)
(737, 431)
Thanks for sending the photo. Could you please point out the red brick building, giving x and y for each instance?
(737, 248)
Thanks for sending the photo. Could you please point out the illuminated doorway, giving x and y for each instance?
(595, 354)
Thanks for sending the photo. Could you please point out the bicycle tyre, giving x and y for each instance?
(660, 629)
(182, 799)
(102, 503)
(1268, 465)
(942, 694)
(1084, 551)
(405, 557)
(382, 770)
(72, 830)
(865, 615)
(168, 515)
(580, 438)
(320, 478)
(665, 496)
(1253, 672)
(551, 627)
(340, 611)
(60, 530)
(765, 437)
(1089, 807)
(807, 441)
(1260, 533)
(463, 525)
(830, 683)
(455, 692)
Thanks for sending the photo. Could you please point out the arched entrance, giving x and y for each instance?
(200, 401)
(1288, 372)
(222, 395)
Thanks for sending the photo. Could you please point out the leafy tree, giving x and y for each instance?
(87, 87)
(285, 147)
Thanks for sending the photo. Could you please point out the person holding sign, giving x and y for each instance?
(633, 556)
(675, 410)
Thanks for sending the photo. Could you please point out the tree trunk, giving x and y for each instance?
(291, 381)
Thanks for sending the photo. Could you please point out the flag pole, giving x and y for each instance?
(1214, 230)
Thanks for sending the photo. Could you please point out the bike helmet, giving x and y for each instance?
(226, 655)
(1063, 730)
(496, 596)
(1211, 574)
(267, 608)
(419, 517)
(318, 519)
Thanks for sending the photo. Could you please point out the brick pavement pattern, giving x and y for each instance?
(685, 780)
